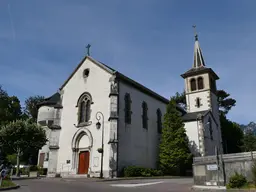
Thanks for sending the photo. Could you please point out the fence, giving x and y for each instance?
(216, 170)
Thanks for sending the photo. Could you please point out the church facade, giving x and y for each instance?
(101, 121)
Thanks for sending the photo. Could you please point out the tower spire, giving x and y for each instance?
(198, 56)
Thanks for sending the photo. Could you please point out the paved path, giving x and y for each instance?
(81, 185)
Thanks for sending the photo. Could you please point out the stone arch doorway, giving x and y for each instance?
(81, 145)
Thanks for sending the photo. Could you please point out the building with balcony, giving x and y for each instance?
(101, 121)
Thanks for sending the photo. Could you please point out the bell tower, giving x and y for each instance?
(200, 85)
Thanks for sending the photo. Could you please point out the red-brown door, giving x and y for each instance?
(83, 166)
(41, 159)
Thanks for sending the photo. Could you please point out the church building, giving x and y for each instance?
(101, 121)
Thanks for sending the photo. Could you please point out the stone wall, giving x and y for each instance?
(216, 170)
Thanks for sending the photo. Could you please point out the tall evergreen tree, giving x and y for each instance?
(174, 153)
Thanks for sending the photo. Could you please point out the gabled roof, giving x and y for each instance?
(53, 100)
(198, 71)
(193, 116)
(119, 76)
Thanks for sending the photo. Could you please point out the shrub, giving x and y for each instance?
(134, 171)
(237, 181)
(34, 168)
(42, 171)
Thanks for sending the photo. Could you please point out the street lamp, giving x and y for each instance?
(99, 116)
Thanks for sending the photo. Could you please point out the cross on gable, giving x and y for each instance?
(88, 49)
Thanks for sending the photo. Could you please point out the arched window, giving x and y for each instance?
(88, 110)
(144, 115)
(200, 82)
(82, 112)
(127, 108)
(193, 84)
(159, 121)
(84, 108)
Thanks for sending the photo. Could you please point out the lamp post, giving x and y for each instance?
(99, 116)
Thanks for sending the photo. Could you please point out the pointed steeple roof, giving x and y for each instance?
(198, 56)
(198, 64)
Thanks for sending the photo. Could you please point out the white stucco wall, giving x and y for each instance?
(204, 101)
(98, 85)
(138, 146)
(45, 113)
(191, 128)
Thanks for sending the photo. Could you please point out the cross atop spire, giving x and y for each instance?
(196, 35)
(88, 49)
(198, 56)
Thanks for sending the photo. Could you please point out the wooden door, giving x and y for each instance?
(41, 159)
(83, 165)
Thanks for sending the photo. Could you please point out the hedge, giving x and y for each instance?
(135, 171)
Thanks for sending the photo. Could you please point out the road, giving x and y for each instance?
(81, 185)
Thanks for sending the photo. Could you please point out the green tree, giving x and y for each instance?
(12, 158)
(231, 142)
(174, 153)
(31, 109)
(180, 99)
(249, 142)
(19, 136)
(225, 103)
(10, 108)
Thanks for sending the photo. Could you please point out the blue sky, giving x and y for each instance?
(151, 41)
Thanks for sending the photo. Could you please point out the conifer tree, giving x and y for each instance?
(174, 153)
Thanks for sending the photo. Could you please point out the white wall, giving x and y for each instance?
(45, 113)
(138, 146)
(204, 100)
(98, 85)
(192, 130)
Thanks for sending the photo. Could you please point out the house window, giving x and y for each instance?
(210, 128)
(193, 84)
(159, 121)
(84, 108)
(200, 83)
(198, 103)
(127, 109)
(144, 115)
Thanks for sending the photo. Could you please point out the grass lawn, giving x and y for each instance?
(7, 183)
